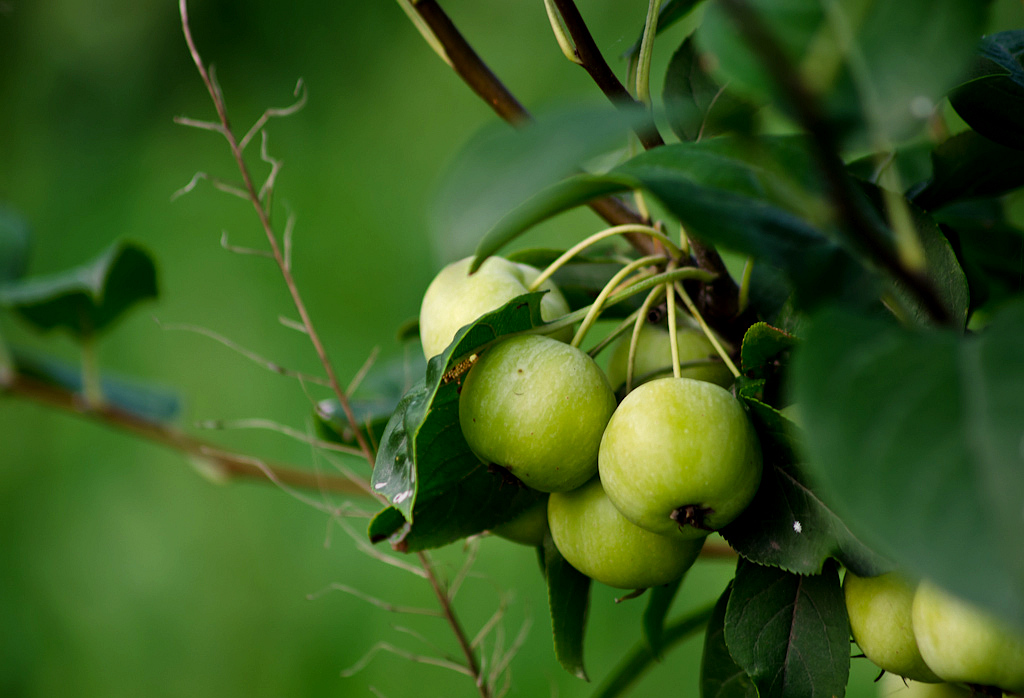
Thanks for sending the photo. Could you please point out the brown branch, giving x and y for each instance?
(229, 464)
(598, 69)
(449, 614)
(823, 140)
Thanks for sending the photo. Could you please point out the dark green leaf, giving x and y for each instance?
(788, 525)
(898, 89)
(762, 344)
(659, 601)
(424, 467)
(696, 105)
(992, 100)
(915, 437)
(144, 400)
(989, 248)
(568, 600)
(788, 632)
(970, 166)
(720, 675)
(373, 402)
(15, 239)
(86, 299)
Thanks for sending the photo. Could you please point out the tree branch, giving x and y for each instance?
(594, 63)
(823, 140)
(229, 464)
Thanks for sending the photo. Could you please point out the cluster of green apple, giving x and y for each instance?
(635, 486)
(922, 633)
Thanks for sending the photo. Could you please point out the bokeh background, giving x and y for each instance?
(123, 571)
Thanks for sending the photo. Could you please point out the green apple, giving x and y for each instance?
(680, 456)
(528, 528)
(537, 407)
(880, 619)
(654, 356)
(894, 686)
(598, 541)
(455, 298)
(961, 643)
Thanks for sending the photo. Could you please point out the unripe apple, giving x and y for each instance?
(679, 456)
(598, 541)
(456, 298)
(894, 686)
(537, 407)
(654, 355)
(880, 619)
(528, 528)
(960, 643)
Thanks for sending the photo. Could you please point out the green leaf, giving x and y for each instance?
(568, 600)
(720, 675)
(758, 200)
(141, 399)
(793, 23)
(475, 193)
(992, 100)
(696, 105)
(439, 490)
(763, 344)
(788, 524)
(895, 88)
(659, 602)
(970, 166)
(373, 402)
(582, 278)
(15, 237)
(915, 436)
(788, 632)
(86, 299)
(989, 248)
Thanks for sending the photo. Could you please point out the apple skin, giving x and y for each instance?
(537, 407)
(880, 619)
(675, 443)
(962, 644)
(529, 528)
(654, 354)
(597, 540)
(455, 298)
(893, 686)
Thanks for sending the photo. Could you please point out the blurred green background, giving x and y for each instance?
(123, 572)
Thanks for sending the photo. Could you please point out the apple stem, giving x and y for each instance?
(692, 515)
(597, 237)
(707, 330)
(599, 303)
(673, 340)
(748, 272)
(634, 340)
